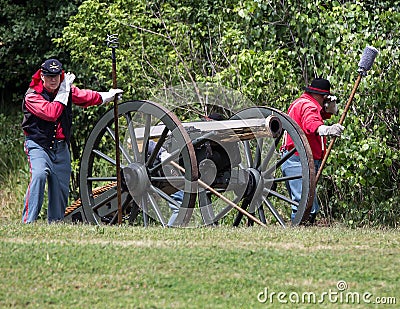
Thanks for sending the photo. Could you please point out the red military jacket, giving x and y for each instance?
(309, 115)
(45, 119)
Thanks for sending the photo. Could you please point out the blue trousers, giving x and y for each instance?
(177, 196)
(53, 166)
(293, 167)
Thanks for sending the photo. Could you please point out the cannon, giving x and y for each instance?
(191, 173)
(195, 173)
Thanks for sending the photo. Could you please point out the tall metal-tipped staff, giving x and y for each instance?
(112, 42)
(365, 64)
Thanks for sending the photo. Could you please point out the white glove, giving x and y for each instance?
(109, 95)
(65, 88)
(69, 79)
(333, 130)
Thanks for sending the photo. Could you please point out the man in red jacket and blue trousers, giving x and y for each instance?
(47, 123)
(310, 110)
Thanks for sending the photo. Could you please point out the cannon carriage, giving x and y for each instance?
(195, 173)
(191, 173)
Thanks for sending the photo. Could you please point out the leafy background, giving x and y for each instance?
(268, 50)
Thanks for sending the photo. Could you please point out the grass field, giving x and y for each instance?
(81, 266)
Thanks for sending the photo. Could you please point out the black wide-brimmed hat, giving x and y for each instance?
(51, 67)
(319, 86)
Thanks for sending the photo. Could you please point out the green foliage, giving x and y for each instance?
(14, 172)
(11, 145)
(27, 28)
(268, 50)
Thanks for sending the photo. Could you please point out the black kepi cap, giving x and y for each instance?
(51, 67)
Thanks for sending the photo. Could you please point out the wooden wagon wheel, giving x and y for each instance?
(266, 189)
(151, 137)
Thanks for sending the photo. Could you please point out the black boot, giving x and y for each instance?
(311, 218)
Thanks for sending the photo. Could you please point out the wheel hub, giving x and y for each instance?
(255, 183)
(256, 189)
(136, 178)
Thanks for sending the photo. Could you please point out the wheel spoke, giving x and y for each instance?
(274, 212)
(225, 210)
(114, 218)
(131, 130)
(269, 154)
(134, 212)
(157, 209)
(257, 157)
(247, 153)
(104, 156)
(157, 147)
(143, 204)
(239, 215)
(167, 179)
(206, 209)
(280, 196)
(146, 138)
(121, 147)
(174, 155)
(165, 196)
(261, 214)
(103, 199)
(279, 163)
(282, 179)
(98, 179)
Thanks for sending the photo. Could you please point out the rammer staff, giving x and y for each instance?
(365, 64)
(112, 42)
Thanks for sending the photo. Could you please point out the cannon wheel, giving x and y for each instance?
(147, 193)
(262, 158)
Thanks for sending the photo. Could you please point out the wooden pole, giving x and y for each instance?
(215, 192)
(346, 109)
(112, 41)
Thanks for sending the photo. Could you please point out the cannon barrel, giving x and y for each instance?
(226, 130)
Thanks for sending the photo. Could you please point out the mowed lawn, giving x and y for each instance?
(83, 266)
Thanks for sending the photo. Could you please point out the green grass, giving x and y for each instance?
(78, 266)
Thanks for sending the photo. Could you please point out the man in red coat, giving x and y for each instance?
(310, 110)
(47, 123)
